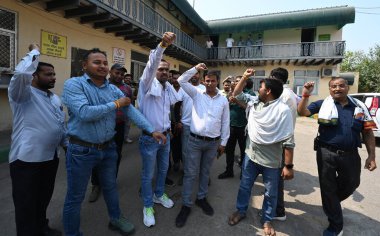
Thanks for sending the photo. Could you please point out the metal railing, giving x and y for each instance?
(331, 49)
(140, 14)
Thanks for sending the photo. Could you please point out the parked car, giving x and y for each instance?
(372, 101)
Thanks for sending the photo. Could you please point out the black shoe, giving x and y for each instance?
(207, 209)
(51, 232)
(180, 221)
(169, 182)
(226, 175)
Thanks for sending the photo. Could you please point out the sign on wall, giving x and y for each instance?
(119, 56)
(53, 44)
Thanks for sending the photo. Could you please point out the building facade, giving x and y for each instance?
(308, 43)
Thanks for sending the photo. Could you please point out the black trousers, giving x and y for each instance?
(237, 134)
(280, 210)
(176, 148)
(339, 176)
(32, 189)
(119, 140)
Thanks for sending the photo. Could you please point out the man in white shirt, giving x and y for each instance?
(229, 43)
(291, 99)
(38, 131)
(154, 98)
(209, 132)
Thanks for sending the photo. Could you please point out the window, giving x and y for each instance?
(259, 75)
(7, 40)
(303, 76)
(138, 63)
(76, 61)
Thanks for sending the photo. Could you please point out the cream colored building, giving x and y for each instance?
(307, 43)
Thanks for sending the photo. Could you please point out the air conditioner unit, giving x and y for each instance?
(329, 72)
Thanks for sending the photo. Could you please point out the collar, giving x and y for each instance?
(43, 93)
(88, 79)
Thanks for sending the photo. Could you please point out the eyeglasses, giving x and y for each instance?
(342, 86)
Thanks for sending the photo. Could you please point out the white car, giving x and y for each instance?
(372, 101)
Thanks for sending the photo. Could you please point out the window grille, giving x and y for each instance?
(7, 40)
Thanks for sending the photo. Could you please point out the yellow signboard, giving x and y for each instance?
(53, 44)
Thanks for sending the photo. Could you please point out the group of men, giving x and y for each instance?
(209, 123)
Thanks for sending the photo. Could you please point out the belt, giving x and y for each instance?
(335, 149)
(164, 133)
(99, 146)
(204, 137)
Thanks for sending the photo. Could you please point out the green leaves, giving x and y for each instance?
(368, 66)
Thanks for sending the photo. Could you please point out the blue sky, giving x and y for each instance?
(361, 35)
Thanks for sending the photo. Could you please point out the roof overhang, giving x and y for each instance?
(338, 16)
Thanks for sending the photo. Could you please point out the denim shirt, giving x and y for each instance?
(92, 110)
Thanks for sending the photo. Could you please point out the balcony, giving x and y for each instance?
(135, 21)
(311, 53)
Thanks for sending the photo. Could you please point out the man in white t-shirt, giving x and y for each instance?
(229, 43)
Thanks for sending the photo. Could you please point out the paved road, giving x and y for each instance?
(304, 211)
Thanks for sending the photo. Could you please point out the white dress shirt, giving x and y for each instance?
(290, 98)
(210, 116)
(38, 117)
(187, 104)
(153, 98)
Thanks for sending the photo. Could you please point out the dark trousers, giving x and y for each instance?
(280, 210)
(237, 134)
(32, 189)
(339, 176)
(119, 140)
(176, 148)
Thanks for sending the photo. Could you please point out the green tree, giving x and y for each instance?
(368, 66)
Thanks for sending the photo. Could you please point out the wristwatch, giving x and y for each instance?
(289, 166)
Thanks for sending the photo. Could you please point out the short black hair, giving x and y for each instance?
(213, 73)
(91, 51)
(275, 85)
(175, 72)
(249, 84)
(336, 78)
(280, 73)
(41, 64)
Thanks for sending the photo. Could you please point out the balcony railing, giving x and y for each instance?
(331, 49)
(140, 14)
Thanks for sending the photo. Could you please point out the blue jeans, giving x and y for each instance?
(80, 161)
(198, 161)
(152, 152)
(185, 141)
(270, 178)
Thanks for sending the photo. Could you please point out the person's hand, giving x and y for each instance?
(232, 99)
(201, 67)
(167, 39)
(287, 173)
(159, 137)
(34, 46)
(124, 101)
(370, 164)
(220, 151)
(248, 73)
(308, 88)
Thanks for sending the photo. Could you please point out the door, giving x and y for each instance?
(307, 42)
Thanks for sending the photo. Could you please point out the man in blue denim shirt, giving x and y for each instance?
(92, 103)
(341, 121)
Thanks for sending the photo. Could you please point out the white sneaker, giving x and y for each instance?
(149, 216)
(163, 200)
(128, 140)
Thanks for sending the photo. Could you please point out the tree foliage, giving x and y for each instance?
(368, 66)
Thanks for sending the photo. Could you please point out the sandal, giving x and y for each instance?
(268, 229)
(235, 218)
